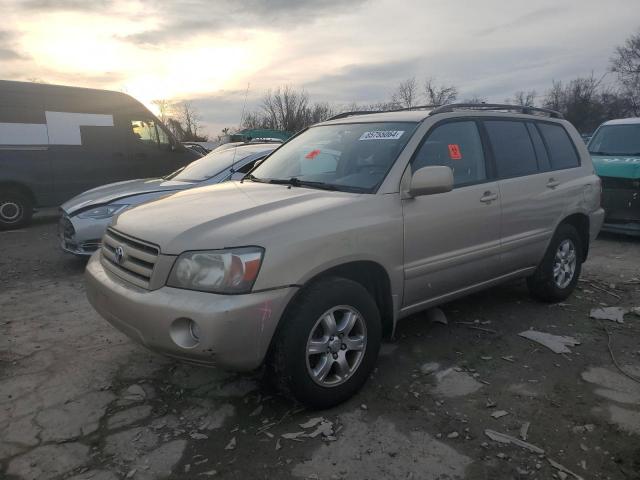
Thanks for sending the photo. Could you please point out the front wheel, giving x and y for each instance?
(16, 209)
(557, 275)
(328, 343)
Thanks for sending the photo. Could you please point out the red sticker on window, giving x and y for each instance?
(454, 152)
(312, 154)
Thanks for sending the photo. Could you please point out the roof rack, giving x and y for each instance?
(496, 106)
(366, 112)
(349, 114)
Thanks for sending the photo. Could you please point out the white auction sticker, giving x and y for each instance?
(382, 135)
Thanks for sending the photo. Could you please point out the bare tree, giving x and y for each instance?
(585, 102)
(190, 120)
(626, 64)
(475, 99)
(439, 94)
(525, 99)
(406, 94)
(181, 118)
(285, 108)
(165, 108)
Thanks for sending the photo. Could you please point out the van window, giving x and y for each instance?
(561, 149)
(512, 148)
(456, 145)
(163, 137)
(145, 131)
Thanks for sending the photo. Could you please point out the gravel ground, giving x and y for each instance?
(79, 400)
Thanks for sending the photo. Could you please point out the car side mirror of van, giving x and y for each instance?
(430, 180)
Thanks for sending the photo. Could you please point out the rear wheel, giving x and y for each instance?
(16, 209)
(557, 275)
(328, 343)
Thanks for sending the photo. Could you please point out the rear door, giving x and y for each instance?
(532, 192)
(452, 240)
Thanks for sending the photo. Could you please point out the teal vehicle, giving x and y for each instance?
(615, 151)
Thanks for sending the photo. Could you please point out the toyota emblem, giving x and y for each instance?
(119, 252)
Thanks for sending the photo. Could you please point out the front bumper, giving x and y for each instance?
(81, 236)
(596, 218)
(234, 330)
(621, 202)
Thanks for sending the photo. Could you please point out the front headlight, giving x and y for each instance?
(217, 271)
(104, 211)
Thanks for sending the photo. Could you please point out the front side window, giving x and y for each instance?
(456, 145)
(145, 131)
(561, 149)
(512, 148)
(620, 140)
(350, 157)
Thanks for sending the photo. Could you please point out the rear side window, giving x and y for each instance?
(456, 145)
(561, 149)
(541, 152)
(512, 148)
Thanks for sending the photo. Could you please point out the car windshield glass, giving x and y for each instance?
(350, 157)
(214, 163)
(616, 140)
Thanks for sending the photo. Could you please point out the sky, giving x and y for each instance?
(217, 52)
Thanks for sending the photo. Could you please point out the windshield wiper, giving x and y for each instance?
(296, 182)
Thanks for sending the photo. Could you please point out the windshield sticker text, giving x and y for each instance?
(454, 151)
(382, 135)
(312, 154)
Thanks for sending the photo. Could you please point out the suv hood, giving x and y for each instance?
(114, 191)
(229, 214)
(620, 166)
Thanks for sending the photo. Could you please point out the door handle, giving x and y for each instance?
(488, 197)
(552, 183)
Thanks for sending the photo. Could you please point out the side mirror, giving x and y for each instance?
(430, 180)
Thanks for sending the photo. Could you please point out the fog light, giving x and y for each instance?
(185, 333)
(194, 329)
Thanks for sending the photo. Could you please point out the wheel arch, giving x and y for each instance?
(371, 275)
(580, 222)
(20, 187)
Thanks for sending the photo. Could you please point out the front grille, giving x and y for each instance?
(136, 263)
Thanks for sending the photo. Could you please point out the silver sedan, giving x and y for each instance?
(85, 217)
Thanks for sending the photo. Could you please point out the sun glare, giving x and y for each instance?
(96, 47)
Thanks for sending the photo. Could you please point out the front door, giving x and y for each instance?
(452, 240)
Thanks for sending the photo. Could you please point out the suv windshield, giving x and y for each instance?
(350, 157)
(616, 140)
(214, 163)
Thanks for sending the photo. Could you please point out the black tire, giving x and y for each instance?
(288, 358)
(16, 209)
(542, 285)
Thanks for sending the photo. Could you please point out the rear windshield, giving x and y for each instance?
(616, 140)
(350, 157)
(214, 163)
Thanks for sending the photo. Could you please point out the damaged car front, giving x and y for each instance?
(615, 151)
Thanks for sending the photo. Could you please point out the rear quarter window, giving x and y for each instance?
(512, 148)
(561, 149)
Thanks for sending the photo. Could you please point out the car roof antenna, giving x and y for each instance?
(244, 106)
